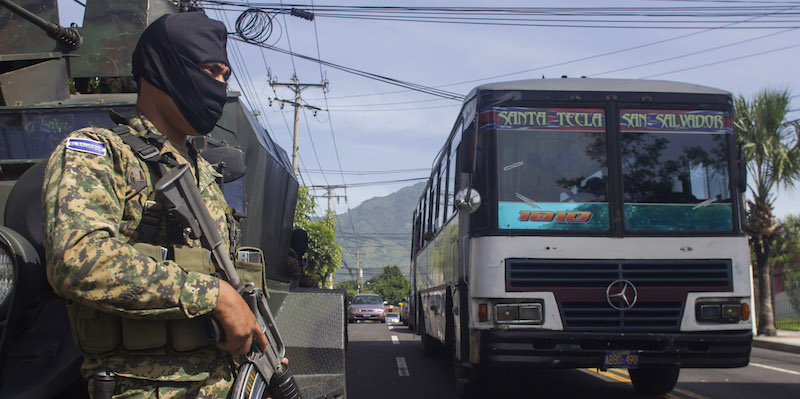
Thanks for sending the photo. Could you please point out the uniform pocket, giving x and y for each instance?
(249, 265)
(194, 259)
(95, 332)
(187, 335)
(138, 334)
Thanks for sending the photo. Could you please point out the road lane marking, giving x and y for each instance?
(689, 394)
(622, 375)
(613, 376)
(775, 368)
(402, 367)
(395, 340)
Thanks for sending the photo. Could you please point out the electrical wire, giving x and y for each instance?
(368, 172)
(564, 17)
(385, 79)
(381, 182)
(704, 51)
(722, 61)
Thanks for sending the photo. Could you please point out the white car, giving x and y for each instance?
(392, 317)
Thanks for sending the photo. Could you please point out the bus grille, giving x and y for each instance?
(543, 274)
(599, 317)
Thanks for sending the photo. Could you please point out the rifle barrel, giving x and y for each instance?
(69, 38)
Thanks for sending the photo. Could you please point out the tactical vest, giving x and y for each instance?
(100, 333)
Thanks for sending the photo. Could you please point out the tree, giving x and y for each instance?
(770, 145)
(391, 284)
(324, 256)
(787, 255)
(350, 287)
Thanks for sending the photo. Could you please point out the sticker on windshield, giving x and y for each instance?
(512, 166)
(553, 216)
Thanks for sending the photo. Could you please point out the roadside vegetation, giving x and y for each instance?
(772, 150)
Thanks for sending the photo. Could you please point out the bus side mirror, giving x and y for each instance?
(468, 200)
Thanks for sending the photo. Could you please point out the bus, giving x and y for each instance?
(586, 223)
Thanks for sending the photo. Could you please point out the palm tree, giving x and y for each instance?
(770, 145)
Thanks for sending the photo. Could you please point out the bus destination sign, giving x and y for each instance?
(648, 120)
(583, 119)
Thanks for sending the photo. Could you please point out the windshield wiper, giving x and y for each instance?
(705, 203)
(527, 201)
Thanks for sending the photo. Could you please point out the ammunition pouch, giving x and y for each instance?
(101, 333)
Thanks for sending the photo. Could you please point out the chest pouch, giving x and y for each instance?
(98, 332)
(249, 264)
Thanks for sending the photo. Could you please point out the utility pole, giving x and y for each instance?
(330, 195)
(297, 88)
(360, 273)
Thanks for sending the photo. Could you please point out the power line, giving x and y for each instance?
(564, 17)
(375, 183)
(704, 51)
(722, 61)
(367, 172)
(397, 82)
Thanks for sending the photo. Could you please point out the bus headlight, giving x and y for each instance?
(519, 313)
(721, 312)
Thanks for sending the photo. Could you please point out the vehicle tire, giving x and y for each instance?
(470, 383)
(383, 321)
(654, 380)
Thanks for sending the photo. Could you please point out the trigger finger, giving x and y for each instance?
(262, 340)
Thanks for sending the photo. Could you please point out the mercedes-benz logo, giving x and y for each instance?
(621, 294)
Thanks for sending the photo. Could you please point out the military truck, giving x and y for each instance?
(39, 61)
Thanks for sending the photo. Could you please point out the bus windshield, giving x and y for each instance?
(552, 170)
(675, 170)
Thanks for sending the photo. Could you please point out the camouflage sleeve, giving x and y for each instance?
(84, 194)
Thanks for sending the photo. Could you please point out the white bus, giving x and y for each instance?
(575, 223)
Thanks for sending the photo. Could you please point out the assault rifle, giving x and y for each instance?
(263, 371)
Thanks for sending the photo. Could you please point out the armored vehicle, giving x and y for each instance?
(38, 358)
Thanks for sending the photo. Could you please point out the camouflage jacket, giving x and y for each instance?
(91, 212)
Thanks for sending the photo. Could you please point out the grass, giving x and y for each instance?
(788, 324)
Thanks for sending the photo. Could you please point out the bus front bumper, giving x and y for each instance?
(557, 349)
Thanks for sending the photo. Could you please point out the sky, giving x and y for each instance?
(375, 138)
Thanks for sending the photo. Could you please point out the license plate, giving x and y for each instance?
(620, 359)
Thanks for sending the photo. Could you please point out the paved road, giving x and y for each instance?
(386, 362)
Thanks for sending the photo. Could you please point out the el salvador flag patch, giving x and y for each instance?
(86, 145)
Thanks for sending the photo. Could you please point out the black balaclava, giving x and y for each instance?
(167, 56)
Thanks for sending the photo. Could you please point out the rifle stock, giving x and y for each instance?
(180, 190)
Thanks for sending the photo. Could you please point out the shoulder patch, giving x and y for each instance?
(86, 145)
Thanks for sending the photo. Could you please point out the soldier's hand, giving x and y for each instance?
(238, 322)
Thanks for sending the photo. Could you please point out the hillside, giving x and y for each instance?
(382, 233)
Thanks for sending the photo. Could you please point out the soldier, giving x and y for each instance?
(137, 287)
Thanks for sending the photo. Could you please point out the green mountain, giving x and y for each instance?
(379, 231)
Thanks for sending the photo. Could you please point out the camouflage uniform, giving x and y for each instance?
(93, 206)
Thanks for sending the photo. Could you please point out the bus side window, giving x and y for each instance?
(452, 175)
(415, 235)
(425, 221)
(429, 231)
(437, 217)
